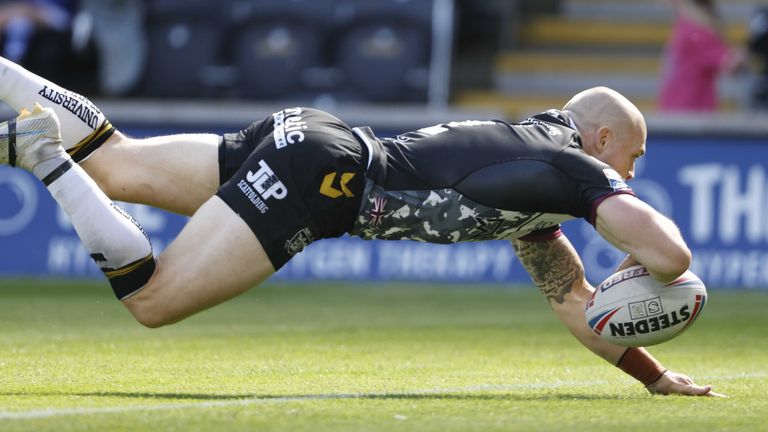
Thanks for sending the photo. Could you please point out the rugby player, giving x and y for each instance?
(259, 196)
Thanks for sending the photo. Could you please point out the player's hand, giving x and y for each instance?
(673, 383)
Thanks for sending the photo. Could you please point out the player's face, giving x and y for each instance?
(623, 151)
(624, 162)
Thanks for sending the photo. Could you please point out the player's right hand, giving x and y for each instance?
(673, 383)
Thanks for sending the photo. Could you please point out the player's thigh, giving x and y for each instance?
(175, 172)
(215, 257)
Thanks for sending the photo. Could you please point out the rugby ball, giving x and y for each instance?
(633, 309)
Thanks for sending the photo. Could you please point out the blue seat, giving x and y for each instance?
(383, 49)
(185, 40)
(278, 45)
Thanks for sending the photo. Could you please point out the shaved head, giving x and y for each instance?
(601, 106)
(611, 127)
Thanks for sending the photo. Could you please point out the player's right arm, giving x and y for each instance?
(645, 234)
(557, 270)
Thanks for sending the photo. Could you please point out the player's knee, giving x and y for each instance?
(146, 321)
(148, 316)
(149, 309)
(151, 321)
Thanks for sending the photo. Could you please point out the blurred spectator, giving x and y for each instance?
(119, 35)
(36, 33)
(696, 54)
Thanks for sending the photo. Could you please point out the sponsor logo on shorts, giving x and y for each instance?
(262, 185)
(327, 188)
(81, 107)
(299, 241)
(288, 127)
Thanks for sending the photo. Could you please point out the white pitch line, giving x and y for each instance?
(740, 375)
(58, 412)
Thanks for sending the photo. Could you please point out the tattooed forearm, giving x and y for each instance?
(553, 265)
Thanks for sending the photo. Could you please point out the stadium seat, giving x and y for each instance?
(278, 47)
(383, 48)
(185, 40)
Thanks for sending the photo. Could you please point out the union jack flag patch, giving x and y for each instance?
(378, 211)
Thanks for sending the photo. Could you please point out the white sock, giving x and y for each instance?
(83, 126)
(116, 242)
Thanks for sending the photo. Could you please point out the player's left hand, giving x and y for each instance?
(673, 383)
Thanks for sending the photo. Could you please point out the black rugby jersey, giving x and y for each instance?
(482, 180)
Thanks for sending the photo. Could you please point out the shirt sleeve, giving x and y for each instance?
(592, 182)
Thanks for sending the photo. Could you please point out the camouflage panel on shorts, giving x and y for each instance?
(441, 216)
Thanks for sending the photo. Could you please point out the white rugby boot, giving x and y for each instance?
(32, 138)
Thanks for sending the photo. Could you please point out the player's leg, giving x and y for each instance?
(83, 126)
(262, 216)
(215, 257)
(115, 241)
(176, 173)
(265, 213)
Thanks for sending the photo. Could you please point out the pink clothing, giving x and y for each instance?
(693, 60)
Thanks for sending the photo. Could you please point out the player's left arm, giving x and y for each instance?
(557, 270)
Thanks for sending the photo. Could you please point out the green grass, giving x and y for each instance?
(322, 357)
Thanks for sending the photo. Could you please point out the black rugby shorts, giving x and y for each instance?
(294, 177)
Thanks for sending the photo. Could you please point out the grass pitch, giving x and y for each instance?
(321, 357)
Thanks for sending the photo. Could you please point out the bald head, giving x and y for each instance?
(601, 106)
(611, 127)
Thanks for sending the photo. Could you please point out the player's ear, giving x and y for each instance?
(604, 137)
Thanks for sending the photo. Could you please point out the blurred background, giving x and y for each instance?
(512, 56)
(696, 68)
